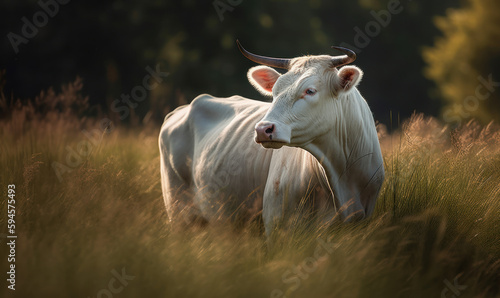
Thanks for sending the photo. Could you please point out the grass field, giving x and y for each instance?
(435, 231)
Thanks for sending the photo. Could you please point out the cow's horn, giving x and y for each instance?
(273, 62)
(343, 60)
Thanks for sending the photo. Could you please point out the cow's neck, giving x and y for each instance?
(349, 154)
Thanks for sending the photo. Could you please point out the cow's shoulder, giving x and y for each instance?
(206, 105)
(209, 113)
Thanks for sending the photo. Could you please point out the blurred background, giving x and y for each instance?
(441, 58)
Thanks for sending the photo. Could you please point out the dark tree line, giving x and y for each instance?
(110, 44)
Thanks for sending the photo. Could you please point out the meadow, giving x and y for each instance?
(91, 221)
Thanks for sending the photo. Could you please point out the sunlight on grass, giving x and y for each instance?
(436, 220)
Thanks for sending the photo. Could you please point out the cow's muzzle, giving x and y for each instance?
(269, 136)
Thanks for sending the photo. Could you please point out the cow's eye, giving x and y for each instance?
(311, 91)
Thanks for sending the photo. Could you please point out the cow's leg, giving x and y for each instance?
(273, 205)
(272, 219)
(283, 191)
(178, 198)
(175, 142)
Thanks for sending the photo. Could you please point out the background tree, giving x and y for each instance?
(465, 62)
(110, 43)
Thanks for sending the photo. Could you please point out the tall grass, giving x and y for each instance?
(436, 222)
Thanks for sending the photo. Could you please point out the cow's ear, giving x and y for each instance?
(263, 79)
(347, 78)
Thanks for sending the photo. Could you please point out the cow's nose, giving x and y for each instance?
(264, 132)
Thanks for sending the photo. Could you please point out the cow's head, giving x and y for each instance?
(303, 98)
(316, 107)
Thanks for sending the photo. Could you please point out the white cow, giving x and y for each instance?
(313, 149)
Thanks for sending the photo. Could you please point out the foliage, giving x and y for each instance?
(468, 49)
(436, 220)
(109, 44)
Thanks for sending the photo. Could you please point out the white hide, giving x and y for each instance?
(212, 167)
